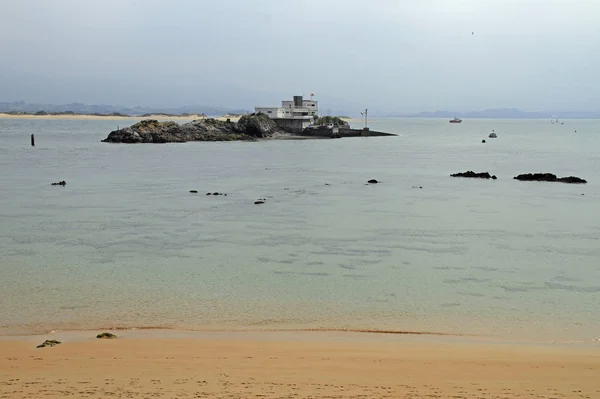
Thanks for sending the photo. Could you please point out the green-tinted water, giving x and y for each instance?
(126, 244)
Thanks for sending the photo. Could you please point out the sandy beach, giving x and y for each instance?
(114, 117)
(233, 118)
(301, 365)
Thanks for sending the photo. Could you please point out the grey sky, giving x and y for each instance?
(388, 55)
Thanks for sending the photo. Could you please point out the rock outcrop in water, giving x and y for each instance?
(249, 128)
(470, 173)
(550, 177)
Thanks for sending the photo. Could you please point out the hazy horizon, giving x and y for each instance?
(387, 55)
(212, 110)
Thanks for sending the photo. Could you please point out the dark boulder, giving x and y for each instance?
(470, 173)
(106, 335)
(550, 178)
(536, 177)
(258, 125)
(48, 342)
(572, 180)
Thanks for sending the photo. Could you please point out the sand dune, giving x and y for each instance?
(311, 366)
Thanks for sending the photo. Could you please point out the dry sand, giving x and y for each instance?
(233, 118)
(278, 366)
(110, 117)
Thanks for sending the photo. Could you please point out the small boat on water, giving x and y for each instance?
(455, 120)
(493, 134)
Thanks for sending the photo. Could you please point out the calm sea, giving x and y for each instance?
(125, 244)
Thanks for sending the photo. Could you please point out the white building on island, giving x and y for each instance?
(295, 115)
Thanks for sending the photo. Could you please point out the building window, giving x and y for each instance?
(268, 112)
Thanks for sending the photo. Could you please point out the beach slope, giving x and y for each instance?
(312, 366)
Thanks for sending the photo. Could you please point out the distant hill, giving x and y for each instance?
(504, 113)
(94, 109)
(91, 109)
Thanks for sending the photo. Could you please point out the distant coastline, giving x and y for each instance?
(500, 113)
(115, 116)
(21, 109)
(118, 116)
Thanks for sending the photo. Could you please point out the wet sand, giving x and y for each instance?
(301, 365)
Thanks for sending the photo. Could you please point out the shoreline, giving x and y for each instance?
(233, 118)
(115, 117)
(307, 333)
(293, 365)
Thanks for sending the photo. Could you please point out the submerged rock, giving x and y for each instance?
(249, 128)
(470, 173)
(549, 177)
(48, 342)
(106, 335)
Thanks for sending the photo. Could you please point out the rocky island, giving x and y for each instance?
(471, 174)
(550, 177)
(249, 127)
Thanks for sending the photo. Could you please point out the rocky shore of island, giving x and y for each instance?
(248, 128)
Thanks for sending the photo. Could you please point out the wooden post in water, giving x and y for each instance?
(32, 140)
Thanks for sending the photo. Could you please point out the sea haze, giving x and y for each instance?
(125, 244)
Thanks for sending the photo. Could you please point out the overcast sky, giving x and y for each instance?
(387, 55)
